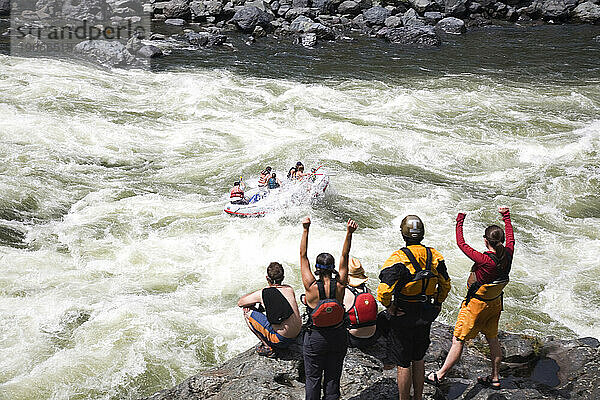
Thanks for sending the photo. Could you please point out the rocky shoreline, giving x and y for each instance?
(207, 23)
(533, 368)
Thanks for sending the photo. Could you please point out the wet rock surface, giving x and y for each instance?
(532, 368)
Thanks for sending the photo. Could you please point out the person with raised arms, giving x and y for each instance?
(480, 311)
(278, 328)
(325, 341)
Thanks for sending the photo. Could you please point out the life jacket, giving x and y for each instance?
(364, 309)
(236, 192)
(490, 291)
(273, 183)
(262, 181)
(329, 313)
(423, 283)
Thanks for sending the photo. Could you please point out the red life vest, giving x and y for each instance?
(364, 309)
(236, 192)
(329, 313)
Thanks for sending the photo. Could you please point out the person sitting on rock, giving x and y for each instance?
(480, 311)
(326, 338)
(273, 182)
(278, 328)
(361, 307)
(236, 195)
(414, 283)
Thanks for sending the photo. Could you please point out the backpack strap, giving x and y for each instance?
(412, 259)
(429, 258)
(321, 287)
(332, 288)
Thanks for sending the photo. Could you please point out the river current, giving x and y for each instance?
(119, 271)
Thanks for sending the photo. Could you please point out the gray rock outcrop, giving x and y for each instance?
(451, 25)
(248, 17)
(532, 369)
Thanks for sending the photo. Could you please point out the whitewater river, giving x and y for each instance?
(119, 272)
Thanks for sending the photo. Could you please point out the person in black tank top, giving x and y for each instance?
(325, 341)
(278, 326)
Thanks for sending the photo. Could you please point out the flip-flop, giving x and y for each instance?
(489, 382)
(265, 351)
(435, 381)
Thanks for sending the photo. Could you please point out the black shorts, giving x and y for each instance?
(407, 343)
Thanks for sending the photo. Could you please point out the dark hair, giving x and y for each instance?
(268, 169)
(275, 273)
(274, 175)
(290, 172)
(325, 259)
(495, 237)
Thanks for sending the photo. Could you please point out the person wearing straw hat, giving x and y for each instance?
(361, 306)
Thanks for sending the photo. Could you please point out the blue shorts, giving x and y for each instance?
(261, 326)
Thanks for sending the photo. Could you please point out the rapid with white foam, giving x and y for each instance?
(119, 271)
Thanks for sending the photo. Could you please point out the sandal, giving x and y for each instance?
(489, 382)
(264, 350)
(435, 381)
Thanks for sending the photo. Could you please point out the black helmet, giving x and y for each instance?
(268, 169)
(412, 227)
(299, 163)
(236, 183)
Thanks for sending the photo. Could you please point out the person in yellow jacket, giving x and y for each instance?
(414, 284)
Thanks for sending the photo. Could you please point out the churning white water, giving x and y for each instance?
(119, 272)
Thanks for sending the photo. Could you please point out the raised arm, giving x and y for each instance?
(343, 269)
(465, 248)
(508, 228)
(307, 276)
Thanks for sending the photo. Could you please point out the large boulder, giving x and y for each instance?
(413, 35)
(248, 17)
(303, 24)
(457, 8)
(323, 6)
(177, 9)
(411, 18)
(532, 370)
(4, 7)
(108, 53)
(376, 15)
(350, 7)
(556, 10)
(587, 12)
(423, 5)
(149, 51)
(451, 25)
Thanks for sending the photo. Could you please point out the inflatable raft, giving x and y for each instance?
(262, 201)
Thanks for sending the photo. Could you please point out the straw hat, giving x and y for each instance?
(356, 273)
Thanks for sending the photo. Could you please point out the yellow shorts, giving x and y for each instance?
(478, 316)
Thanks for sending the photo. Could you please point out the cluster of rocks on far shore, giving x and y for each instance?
(206, 23)
(532, 369)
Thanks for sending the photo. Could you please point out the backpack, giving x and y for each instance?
(424, 280)
(364, 309)
(329, 313)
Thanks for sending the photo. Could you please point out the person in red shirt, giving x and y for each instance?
(480, 311)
